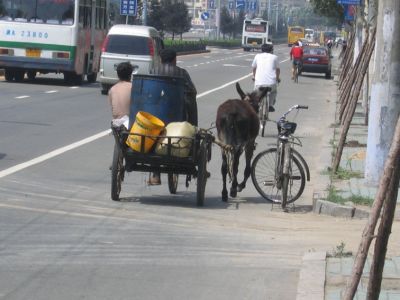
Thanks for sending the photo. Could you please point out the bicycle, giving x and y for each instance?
(296, 72)
(264, 110)
(279, 174)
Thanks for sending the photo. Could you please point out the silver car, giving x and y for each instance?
(139, 45)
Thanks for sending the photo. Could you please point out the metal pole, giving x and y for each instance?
(144, 12)
(269, 10)
(218, 17)
(276, 22)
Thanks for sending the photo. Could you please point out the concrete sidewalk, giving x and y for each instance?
(323, 275)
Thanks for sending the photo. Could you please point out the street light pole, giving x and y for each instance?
(218, 17)
(144, 12)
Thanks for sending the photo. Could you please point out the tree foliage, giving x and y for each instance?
(226, 22)
(168, 16)
(330, 9)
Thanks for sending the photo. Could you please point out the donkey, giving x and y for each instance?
(237, 127)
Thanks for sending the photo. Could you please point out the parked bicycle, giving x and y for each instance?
(279, 174)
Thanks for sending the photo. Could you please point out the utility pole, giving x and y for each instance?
(218, 17)
(144, 12)
(276, 21)
(385, 98)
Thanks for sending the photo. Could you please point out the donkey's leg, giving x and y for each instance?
(224, 171)
(249, 149)
(235, 167)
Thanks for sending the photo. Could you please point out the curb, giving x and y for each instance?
(311, 284)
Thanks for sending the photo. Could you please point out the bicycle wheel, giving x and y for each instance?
(263, 114)
(117, 173)
(296, 74)
(266, 183)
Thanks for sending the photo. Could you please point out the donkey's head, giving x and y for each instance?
(253, 98)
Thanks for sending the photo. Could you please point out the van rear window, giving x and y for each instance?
(128, 44)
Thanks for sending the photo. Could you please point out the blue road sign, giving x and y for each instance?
(349, 2)
(205, 15)
(128, 8)
(240, 4)
(211, 4)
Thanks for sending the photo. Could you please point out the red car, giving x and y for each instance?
(316, 60)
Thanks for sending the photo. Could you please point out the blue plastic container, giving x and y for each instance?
(162, 96)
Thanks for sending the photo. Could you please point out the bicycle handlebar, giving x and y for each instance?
(297, 106)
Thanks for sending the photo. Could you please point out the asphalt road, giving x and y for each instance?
(62, 237)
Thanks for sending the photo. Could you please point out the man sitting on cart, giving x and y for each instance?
(169, 68)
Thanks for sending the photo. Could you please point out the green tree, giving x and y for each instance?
(226, 22)
(179, 21)
(155, 16)
(330, 9)
(238, 23)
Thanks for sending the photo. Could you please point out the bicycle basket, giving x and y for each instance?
(287, 127)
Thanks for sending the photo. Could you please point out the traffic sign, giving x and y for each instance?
(205, 15)
(240, 3)
(128, 8)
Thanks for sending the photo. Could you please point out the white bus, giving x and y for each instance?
(255, 33)
(309, 34)
(61, 36)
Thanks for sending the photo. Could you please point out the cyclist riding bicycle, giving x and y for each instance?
(266, 72)
(296, 54)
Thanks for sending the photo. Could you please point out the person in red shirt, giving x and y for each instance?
(296, 55)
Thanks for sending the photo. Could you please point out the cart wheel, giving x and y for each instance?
(172, 182)
(117, 173)
(202, 172)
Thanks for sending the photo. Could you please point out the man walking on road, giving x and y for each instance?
(266, 72)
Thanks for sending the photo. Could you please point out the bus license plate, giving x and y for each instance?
(33, 52)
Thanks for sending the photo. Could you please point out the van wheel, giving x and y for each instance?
(91, 77)
(104, 89)
(31, 75)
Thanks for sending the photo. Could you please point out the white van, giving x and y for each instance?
(139, 45)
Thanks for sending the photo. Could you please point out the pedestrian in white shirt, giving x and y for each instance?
(266, 72)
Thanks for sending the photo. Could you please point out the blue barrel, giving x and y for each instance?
(162, 96)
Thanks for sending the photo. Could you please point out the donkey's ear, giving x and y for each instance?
(240, 91)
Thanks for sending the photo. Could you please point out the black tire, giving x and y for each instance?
(263, 177)
(19, 75)
(328, 75)
(172, 182)
(92, 77)
(263, 115)
(202, 172)
(285, 186)
(9, 75)
(104, 89)
(78, 79)
(31, 75)
(117, 173)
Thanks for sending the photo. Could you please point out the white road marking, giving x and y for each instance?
(52, 154)
(74, 87)
(51, 92)
(22, 97)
